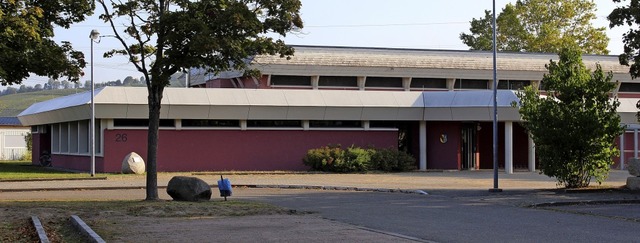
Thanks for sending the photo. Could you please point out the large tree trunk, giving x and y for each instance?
(155, 97)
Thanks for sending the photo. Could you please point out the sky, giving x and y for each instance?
(421, 24)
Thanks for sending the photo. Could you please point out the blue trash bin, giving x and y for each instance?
(224, 185)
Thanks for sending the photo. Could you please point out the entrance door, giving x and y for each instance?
(469, 135)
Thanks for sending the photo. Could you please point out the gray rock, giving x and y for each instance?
(633, 183)
(133, 164)
(633, 166)
(184, 188)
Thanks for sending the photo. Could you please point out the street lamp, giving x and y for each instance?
(495, 107)
(94, 36)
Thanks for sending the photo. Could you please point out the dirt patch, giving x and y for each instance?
(170, 221)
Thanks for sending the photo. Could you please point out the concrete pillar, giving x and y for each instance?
(508, 147)
(635, 143)
(423, 145)
(406, 83)
(314, 81)
(532, 155)
(362, 80)
(451, 84)
(622, 150)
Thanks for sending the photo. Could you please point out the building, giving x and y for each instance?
(12, 139)
(435, 104)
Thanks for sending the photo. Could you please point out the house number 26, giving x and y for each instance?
(121, 137)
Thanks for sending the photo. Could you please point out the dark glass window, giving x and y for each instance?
(513, 84)
(629, 87)
(383, 82)
(274, 123)
(290, 80)
(338, 124)
(429, 83)
(210, 123)
(472, 84)
(141, 123)
(338, 81)
(383, 124)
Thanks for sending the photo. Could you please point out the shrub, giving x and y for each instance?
(390, 159)
(355, 159)
(324, 158)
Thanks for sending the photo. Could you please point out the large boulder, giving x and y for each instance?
(184, 188)
(634, 166)
(133, 164)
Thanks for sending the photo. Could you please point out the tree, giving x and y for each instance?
(26, 44)
(540, 26)
(171, 36)
(574, 127)
(628, 15)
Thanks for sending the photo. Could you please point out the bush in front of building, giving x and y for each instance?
(332, 158)
(390, 159)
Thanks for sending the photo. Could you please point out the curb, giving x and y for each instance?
(56, 179)
(328, 188)
(85, 229)
(575, 203)
(42, 235)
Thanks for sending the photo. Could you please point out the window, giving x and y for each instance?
(513, 84)
(210, 123)
(55, 138)
(64, 137)
(83, 136)
(73, 137)
(383, 124)
(286, 80)
(141, 123)
(629, 87)
(429, 83)
(338, 81)
(383, 82)
(335, 124)
(472, 84)
(274, 123)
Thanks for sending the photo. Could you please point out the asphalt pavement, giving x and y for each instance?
(432, 206)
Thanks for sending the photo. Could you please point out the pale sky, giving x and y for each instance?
(421, 24)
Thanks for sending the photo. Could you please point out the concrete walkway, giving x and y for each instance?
(522, 188)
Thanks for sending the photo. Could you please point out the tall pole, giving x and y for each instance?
(495, 107)
(92, 144)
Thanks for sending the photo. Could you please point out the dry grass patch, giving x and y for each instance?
(110, 218)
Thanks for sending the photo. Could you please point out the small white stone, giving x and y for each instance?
(133, 164)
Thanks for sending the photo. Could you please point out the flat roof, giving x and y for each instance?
(246, 104)
(394, 62)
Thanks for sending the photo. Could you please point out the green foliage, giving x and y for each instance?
(26, 39)
(628, 15)
(28, 139)
(575, 125)
(354, 159)
(163, 37)
(540, 26)
(390, 159)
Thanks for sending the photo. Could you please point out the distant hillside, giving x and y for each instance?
(12, 105)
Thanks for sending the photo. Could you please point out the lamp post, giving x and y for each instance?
(92, 143)
(495, 107)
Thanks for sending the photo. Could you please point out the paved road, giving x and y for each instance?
(458, 208)
(463, 219)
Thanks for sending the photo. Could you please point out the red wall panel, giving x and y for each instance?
(444, 156)
(195, 150)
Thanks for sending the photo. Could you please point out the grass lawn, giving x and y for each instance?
(16, 170)
(112, 219)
